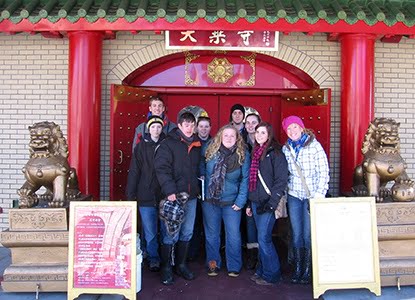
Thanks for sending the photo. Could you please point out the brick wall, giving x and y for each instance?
(33, 88)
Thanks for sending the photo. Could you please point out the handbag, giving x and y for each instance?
(281, 210)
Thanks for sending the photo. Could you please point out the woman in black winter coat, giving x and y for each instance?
(143, 187)
(268, 177)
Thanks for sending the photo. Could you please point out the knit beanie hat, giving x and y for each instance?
(154, 119)
(237, 107)
(290, 120)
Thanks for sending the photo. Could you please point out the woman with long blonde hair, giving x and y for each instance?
(226, 174)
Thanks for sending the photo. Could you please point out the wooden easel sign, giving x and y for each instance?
(102, 248)
(344, 244)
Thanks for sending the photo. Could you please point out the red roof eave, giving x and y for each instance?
(63, 25)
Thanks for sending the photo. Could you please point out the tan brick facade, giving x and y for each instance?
(33, 87)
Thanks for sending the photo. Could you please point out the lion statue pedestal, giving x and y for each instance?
(38, 241)
(396, 235)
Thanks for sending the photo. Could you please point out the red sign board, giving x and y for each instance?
(102, 248)
(252, 40)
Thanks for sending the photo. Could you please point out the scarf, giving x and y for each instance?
(297, 145)
(219, 171)
(253, 171)
(188, 140)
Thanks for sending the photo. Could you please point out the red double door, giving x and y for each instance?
(130, 107)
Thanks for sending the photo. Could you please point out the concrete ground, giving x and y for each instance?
(207, 288)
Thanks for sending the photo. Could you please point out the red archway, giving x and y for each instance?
(191, 69)
(214, 81)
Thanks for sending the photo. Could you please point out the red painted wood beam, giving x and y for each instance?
(357, 100)
(181, 24)
(84, 108)
(395, 39)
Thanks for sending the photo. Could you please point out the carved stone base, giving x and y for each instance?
(23, 278)
(396, 234)
(38, 241)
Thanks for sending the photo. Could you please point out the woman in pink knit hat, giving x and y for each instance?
(308, 179)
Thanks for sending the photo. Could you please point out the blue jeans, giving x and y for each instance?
(186, 228)
(149, 220)
(269, 267)
(196, 241)
(212, 221)
(300, 222)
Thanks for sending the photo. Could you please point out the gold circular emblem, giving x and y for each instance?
(220, 70)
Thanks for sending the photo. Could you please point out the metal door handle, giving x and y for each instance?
(121, 157)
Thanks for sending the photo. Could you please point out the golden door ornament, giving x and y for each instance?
(189, 57)
(220, 70)
(251, 60)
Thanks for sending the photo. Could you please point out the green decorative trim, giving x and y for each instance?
(111, 19)
(191, 19)
(292, 19)
(389, 12)
(351, 19)
(131, 18)
(232, 19)
(53, 19)
(73, 19)
(272, 19)
(92, 19)
(312, 19)
(154, 18)
(370, 21)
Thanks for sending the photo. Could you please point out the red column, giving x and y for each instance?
(84, 108)
(357, 100)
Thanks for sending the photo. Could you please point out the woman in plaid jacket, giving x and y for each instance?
(308, 178)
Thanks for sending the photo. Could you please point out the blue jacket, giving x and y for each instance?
(236, 182)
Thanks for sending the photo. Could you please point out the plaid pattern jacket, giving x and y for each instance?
(313, 163)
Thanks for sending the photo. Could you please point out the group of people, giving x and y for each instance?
(244, 172)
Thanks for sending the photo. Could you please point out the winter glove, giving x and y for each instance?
(267, 207)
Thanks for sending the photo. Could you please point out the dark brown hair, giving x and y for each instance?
(272, 142)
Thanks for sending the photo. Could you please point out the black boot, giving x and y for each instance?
(166, 269)
(251, 259)
(181, 255)
(306, 277)
(297, 264)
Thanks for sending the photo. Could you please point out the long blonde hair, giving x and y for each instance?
(216, 142)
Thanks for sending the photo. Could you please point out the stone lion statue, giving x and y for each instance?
(382, 164)
(48, 167)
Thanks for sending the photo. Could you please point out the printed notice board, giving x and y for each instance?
(344, 244)
(102, 248)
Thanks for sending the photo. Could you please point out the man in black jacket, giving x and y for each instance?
(143, 187)
(177, 164)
